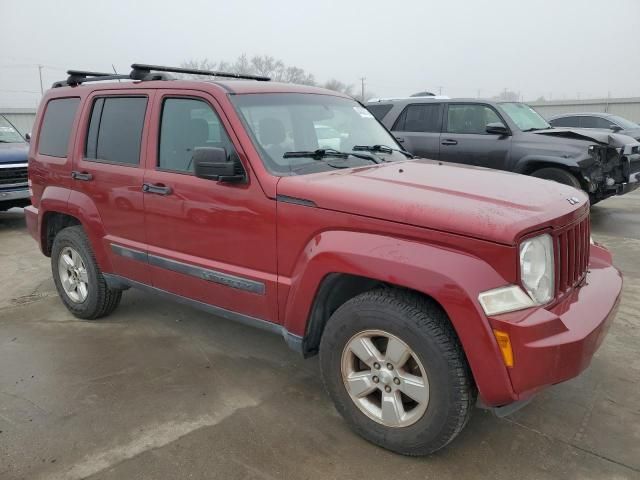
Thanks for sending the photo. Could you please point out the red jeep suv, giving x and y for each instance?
(425, 287)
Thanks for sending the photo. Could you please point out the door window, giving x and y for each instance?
(470, 118)
(186, 124)
(115, 130)
(595, 122)
(424, 117)
(565, 122)
(56, 126)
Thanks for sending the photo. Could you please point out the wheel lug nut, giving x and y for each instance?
(375, 379)
(376, 365)
(387, 389)
(389, 366)
(396, 381)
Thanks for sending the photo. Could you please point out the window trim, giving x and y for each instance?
(72, 130)
(445, 128)
(403, 117)
(102, 161)
(173, 96)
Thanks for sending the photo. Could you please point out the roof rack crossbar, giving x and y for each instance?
(141, 70)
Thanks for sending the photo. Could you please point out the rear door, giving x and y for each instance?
(418, 129)
(208, 241)
(108, 171)
(465, 140)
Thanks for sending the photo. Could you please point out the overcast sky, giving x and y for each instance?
(557, 49)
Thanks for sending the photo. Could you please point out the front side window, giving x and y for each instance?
(426, 117)
(470, 118)
(525, 117)
(379, 111)
(56, 126)
(8, 134)
(187, 124)
(623, 122)
(280, 123)
(115, 130)
(595, 122)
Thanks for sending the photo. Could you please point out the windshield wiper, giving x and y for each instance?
(535, 129)
(322, 153)
(382, 149)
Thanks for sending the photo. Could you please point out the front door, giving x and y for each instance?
(208, 241)
(108, 170)
(465, 139)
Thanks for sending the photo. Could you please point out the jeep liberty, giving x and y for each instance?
(425, 287)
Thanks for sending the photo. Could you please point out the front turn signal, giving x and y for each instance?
(504, 342)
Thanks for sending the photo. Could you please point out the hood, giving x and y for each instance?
(603, 137)
(632, 132)
(470, 201)
(14, 152)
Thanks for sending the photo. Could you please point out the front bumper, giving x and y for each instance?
(13, 195)
(554, 344)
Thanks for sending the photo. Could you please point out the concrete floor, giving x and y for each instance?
(161, 391)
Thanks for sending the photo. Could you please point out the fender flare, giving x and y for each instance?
(566, 163)
(80, 206)
(451, 278)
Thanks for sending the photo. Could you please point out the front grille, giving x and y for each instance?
(573, 245)
(13, 175)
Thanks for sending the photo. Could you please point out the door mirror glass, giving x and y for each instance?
(497, 128)
(213, 163)
(614, 128)
(27, 137)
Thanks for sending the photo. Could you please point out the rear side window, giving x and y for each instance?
(425, 117)
(565, 122)
(56, 126)
(379, 111)
(115, 130)
(186, 125)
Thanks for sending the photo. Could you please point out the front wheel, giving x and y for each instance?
(78, 278)
(396, 371)
(558, 175)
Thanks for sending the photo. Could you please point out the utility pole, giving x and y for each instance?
(439, 90)
(362, 79)
(40, 75)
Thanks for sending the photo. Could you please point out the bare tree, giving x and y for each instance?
(338, 86)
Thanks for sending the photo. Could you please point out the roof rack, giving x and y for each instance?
(143, 72)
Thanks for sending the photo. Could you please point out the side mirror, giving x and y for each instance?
(497, 129)
(213, 163)
(27, 137)
(615, 128)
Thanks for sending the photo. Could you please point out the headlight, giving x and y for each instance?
(537, 268)
(504, 299)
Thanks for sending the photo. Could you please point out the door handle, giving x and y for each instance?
(158, 189)
(449, 141)
(84, 176)
(400, 139)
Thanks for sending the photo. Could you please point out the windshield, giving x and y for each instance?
(525, 117)
(298, 122)
(623, 122)
(8, 134)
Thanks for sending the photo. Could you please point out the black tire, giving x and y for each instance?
(558, 175)
(425, 328)
(101, 300)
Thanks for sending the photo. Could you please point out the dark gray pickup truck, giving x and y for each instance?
(512, 136)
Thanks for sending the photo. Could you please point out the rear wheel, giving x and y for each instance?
(558, 175)
(78, 278)
(396, 371)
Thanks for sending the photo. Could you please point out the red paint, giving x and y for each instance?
(450, 232)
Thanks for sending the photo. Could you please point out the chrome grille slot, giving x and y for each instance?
(573, 246)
